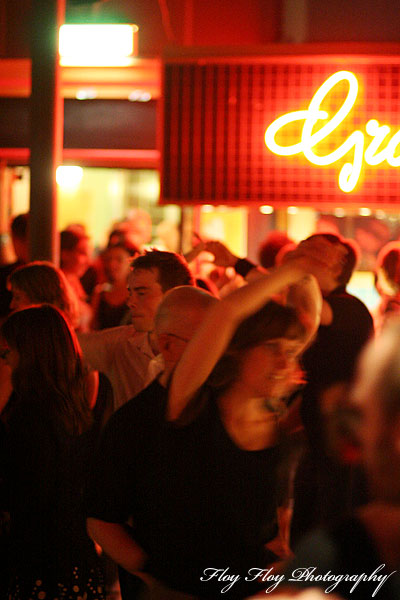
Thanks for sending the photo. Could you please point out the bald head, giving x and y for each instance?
(182, 310)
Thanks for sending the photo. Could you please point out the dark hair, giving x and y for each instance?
(270, 247)
(130, 248)
(349, 261)
(70, 239)
(19, 226)
(42, 282)
(270, 322)
(49, 369)
(173, 269)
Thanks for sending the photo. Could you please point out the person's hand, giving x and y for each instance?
(195, 251)
(322, 251)
(223, 257)
(316, 257)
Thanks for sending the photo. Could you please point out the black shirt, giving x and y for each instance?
(196, 499)
(44, 471)
(333, 354)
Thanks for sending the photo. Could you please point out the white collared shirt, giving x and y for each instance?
(123, 355)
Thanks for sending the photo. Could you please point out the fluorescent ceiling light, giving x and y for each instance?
(97, 45)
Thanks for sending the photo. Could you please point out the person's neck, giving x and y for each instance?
(247, 421)
(153, 342)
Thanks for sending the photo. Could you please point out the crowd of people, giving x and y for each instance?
(230, 436)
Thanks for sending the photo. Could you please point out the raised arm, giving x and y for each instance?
(305, 297)
(223, 257)
(214, 334)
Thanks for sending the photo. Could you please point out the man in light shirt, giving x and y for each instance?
(123, 353)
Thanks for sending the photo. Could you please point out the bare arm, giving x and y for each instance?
(92, 388)
(305, 297)
(117, 543)
(214, 334)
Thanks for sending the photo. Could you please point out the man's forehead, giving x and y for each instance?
(143, 277)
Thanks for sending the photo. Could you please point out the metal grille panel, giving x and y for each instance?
(216, 114)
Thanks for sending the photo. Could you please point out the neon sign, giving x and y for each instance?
(311, 136)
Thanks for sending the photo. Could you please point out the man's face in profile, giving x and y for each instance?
(145, 294)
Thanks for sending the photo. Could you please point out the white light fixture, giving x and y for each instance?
(292, 210)
(266, 209)
(339, 212)
(365, 212)
(139, 96)
(86, 94)
(98, 45)
(69, 177)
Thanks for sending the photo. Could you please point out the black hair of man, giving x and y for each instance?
(19, 226)
(173, 269)
(270, 247)
(70, 239)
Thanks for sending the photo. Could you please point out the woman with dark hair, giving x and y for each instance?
(47, 448)
(226, 399)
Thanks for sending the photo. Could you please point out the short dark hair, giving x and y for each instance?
(70, 239)
(173, 269)
(270, 247)
(19, 226)
(130, 248)
(349, 261)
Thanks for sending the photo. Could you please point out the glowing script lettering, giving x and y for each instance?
(311, 136)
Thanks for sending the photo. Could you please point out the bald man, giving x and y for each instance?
(132, 479)
(176, 321)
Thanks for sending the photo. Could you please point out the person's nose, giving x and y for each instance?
(132, 300)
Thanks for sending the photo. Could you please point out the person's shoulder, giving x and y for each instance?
(341, 295)
(111, 335)
(150, 403)
(122, 331)
(345, 302)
